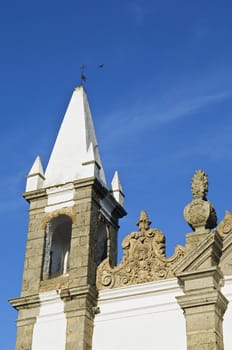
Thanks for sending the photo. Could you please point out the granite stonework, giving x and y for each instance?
(77, 288)
(70, 275)
(144, 259)
(199, 273)
(199, 266)
(62, 275)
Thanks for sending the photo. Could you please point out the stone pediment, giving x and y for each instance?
(144, 259)
(204, 255)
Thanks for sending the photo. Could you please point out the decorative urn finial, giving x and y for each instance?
(200, 213)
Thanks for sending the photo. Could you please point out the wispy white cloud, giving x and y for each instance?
(152, 114)
(184, 108)
(216, 148)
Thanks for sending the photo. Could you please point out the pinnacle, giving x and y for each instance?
(75, 144)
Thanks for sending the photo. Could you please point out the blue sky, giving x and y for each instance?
(162, 107)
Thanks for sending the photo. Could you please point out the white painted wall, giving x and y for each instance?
(137, 317)
(50, 328)
(59, 197)
(140, 317)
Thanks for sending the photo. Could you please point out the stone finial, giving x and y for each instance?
(75, 154)
(144, 259)
(143, 223)
(200, 185)
(200, 213)
(116, 189)
(35, 178)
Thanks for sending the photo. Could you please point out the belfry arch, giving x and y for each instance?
(57, 246)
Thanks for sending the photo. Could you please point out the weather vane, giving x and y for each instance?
(83, 76)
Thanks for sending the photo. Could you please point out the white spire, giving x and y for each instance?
(35, 178)
(75, 154)
(116, 189)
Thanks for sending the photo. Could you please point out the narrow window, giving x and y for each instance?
(101, 249)
(57, 246)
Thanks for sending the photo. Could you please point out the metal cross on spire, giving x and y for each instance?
(83, 77)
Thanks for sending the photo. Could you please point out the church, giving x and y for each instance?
(75, 296)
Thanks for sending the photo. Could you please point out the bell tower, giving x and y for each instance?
(73, 224)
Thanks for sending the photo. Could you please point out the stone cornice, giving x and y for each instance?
(25, 302)
(199, 275)
(197, 299)
(32, 195)
(75, 292)
(149, 288)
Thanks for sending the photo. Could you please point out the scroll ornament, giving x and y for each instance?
(225, 226)
(144, 259)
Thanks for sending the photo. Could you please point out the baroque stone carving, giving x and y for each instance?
(225, 226)
(200, 213)
(144, 259)
(225, 231)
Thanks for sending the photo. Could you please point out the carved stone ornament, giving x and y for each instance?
(200, 213)
(225, 226)
(225, 231)
(144, 259)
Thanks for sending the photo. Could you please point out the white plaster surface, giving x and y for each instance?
(75, 144)
(37, 167)
(144, 316)
(117, 190)
(59, 197)
(107, 206)
(50, 328)
(35, 177)
(227, 323)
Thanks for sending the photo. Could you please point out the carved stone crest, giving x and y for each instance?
(225, 226)
(200, 213)
(225, 231)
(144, 259)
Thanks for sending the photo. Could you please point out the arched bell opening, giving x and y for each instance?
(57, 246)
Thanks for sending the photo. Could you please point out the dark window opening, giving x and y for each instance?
(101, 249)
(57, 246)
